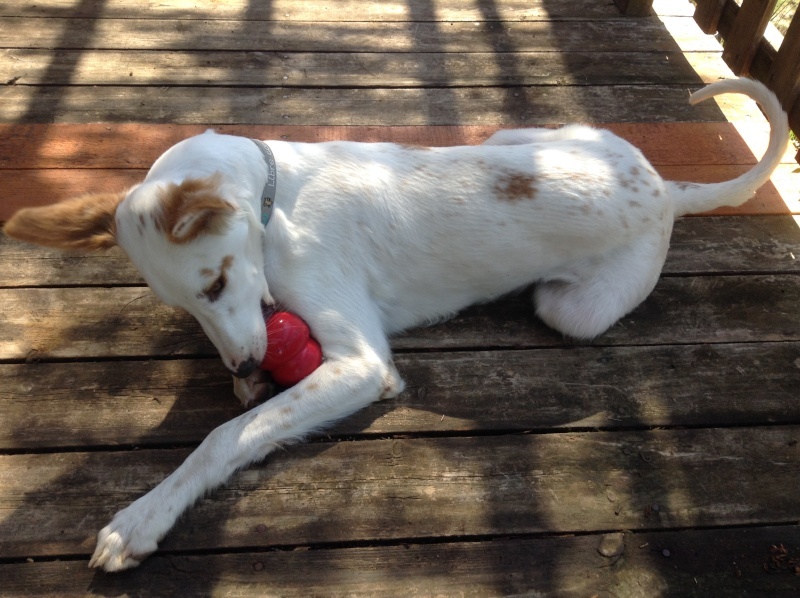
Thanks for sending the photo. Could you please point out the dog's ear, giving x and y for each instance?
(84, 223)
(194, 208)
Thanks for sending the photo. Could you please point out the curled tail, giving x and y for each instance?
(691, 198)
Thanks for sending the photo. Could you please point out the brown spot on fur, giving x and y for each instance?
(207, 272)
(86, 223)
(634, 171)
(313, 386)
(634, 204)
(193, 208)
(286, 410)
(515, 187)
(656, 193)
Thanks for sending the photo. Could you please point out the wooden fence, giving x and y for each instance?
(746, 51)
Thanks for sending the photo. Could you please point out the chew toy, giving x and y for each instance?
(291, 352)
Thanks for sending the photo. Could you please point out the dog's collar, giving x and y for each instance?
(271, 185)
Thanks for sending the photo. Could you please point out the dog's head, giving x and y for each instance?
(193, 243)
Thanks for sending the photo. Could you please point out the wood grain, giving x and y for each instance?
(520, 106)
(178, 402)
(208, 34)
(136, 146)
(298, 10)
(722, 562)
(346, 69)
(381, 490)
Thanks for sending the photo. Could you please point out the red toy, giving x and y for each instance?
(291, 352)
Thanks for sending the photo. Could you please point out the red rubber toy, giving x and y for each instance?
(291, 352)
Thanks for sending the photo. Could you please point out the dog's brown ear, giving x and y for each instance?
(194, 208)
(84, 223)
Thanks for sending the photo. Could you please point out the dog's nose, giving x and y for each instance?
(246, 368)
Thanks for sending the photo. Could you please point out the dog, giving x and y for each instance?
(366, 240)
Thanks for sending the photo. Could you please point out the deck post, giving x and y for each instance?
(707, 14)
(635, 8)
(784, 74)
(746, 35)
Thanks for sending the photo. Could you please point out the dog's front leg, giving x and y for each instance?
(337, 388)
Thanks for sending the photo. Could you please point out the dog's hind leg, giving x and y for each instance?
(588, 298)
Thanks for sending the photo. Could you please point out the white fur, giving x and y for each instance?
(369, 239)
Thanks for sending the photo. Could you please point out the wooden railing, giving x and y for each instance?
(745, 50)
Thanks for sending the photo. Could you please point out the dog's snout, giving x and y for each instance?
(246, 368)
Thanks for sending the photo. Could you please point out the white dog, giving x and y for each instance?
(365, 240)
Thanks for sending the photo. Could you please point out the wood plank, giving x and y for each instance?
(518, 106)
(722, 562)
(84, 323)
(480, 35)
(29, 265)
(635, 8)
(731, 245)
(27, 188)
(137, 145)
(721, 245)
(395, 489)
(346, 69)
(298, 10)
(178, 402)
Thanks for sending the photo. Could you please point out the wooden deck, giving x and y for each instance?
(660, 460)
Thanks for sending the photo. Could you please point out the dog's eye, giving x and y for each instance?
(213, 292)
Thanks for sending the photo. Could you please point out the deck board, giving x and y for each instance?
(607, 35)
(54, 406)
(727, 563)
(515, 456)
(391, 490)
(87, 323)
(44, 163)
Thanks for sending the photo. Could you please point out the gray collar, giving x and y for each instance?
(271, 185)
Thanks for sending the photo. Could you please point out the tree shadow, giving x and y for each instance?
(495, 402)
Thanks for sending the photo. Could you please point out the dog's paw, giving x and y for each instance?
(123, 543)
(256, 388)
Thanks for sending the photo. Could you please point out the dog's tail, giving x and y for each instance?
(691, 198)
